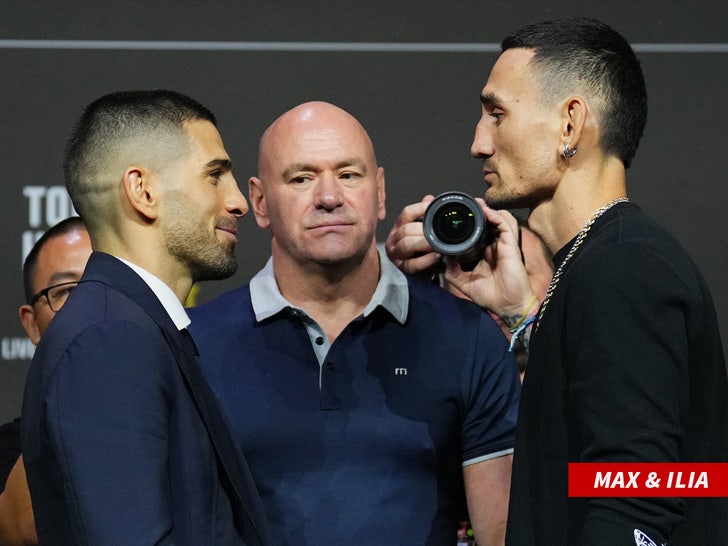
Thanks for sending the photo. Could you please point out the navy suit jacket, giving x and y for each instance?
(120, 433)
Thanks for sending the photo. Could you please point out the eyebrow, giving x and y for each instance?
(297, 167)
(224, 164)
(490, 99)
(303, 167)
(63, 276)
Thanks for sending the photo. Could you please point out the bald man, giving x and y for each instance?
(373, 408)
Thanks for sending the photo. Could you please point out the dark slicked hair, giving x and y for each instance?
(143, 119)
(30, 265)
(582, 55)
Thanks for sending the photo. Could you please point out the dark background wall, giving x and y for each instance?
(411, 71)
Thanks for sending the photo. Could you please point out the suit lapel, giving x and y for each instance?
(234, 471)
(233, 467)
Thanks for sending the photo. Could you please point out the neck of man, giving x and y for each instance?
(151, 258)
(578, 195)
(331, 294)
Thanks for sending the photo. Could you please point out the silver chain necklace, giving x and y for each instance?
(577, 243)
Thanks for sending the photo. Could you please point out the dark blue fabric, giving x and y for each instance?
(374, 455)
(114, 446)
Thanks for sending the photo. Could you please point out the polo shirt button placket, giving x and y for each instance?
(330, 388)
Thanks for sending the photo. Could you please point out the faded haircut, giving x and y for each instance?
(126, 123)
(585, 56)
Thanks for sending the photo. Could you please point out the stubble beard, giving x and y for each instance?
(206, 258)
(504, 199)
(213, 266)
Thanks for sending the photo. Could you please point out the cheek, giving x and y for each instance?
(282, 221)
(531, 160)
(43, 318)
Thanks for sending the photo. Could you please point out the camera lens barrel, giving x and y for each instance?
(454, 225)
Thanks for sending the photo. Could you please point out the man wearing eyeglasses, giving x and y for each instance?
(52, 269)
(50, 272)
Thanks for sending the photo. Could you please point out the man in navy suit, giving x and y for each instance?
(122, 439)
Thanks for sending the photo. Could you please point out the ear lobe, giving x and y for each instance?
(27, 319)
(139, 192)
(257, 202)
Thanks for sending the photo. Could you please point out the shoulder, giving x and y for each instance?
(426, 295)
(629, 245)
(99, 306)
(628, 229)
(446, 314)
(228, 308)
(121, 339)
(100, 322)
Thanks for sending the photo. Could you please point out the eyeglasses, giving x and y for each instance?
(55, 295)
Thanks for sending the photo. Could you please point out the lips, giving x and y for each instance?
(487, 174)
(487, 169)
(230, 227)
(330, 223)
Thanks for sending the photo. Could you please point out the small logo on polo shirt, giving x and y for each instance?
(641, 539)
(400, 371)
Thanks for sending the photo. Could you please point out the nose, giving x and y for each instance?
(327, 193)
(235, 202)
(482, 146)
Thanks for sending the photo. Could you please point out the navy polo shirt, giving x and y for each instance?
(362, 441)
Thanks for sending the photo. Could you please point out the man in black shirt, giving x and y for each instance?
(626, 362)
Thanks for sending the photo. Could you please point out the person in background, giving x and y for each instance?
(625, 357)
(371, 405)
(123, 442)
(51, 271)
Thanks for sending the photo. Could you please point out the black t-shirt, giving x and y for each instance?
(9, 449)
(626, 365)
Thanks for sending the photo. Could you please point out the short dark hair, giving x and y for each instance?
(125, 118)
(30, 265)
(583, 53)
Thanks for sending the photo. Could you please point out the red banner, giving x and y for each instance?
(648, 479)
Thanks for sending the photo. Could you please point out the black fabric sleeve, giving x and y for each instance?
(9, 449)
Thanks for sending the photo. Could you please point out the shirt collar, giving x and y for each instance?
(164, 293)
(391, 293)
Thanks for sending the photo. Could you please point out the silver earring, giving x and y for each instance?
(568, 153)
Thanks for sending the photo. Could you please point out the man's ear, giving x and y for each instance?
(574, 117)
(27, 319)
(140, 192)
(381, 194)
(257, 202)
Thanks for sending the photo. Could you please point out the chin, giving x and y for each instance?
(496, 200)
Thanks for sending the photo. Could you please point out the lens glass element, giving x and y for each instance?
(454, 223)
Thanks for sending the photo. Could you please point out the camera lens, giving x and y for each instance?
(454, 224)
